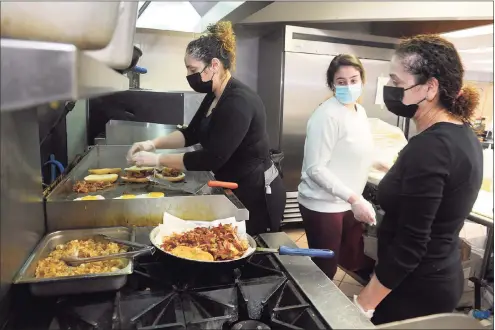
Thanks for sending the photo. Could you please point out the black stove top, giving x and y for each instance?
(258, 296)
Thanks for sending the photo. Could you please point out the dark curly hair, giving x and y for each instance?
(431, 56)
(218, 42)
(343, 60)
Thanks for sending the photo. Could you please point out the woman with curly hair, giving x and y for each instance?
(230, 125)
(431, 188)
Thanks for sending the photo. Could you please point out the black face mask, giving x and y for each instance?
(393, 96)
(199, 85)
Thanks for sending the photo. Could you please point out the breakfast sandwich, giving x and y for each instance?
(170, 174)
(99, 171)
(137, 174)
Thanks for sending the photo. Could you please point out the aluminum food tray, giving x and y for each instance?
(88, 283)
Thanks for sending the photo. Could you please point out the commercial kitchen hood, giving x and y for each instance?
(351, 11)
(185, 16)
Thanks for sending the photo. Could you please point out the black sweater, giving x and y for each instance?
(233, 137)
(426, 196)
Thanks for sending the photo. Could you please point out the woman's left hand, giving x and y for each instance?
(145, 158)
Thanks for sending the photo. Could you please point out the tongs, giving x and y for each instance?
(142, 250)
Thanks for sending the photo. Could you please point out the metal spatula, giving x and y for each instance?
(191, 187)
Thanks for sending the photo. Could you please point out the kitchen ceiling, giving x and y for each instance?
(193, 16)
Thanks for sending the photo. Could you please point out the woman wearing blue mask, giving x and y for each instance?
(337, 159)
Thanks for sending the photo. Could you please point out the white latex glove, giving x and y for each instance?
(145, 158)
(368, 313)
(140, 146)
(364, 211)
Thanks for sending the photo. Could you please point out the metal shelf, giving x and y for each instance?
(34, 73)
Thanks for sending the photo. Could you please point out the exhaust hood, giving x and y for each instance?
(184, 16)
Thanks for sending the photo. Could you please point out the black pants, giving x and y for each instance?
(265, 210)
(338, 232)
(422, 295)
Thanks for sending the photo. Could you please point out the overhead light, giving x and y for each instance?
(471, 32)
(477, 50)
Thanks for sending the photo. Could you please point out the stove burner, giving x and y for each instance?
(257, 297)
(250, 325)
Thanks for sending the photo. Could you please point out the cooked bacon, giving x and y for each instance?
(138, 175)
(171, 172)
(222, 242)
(84, 187)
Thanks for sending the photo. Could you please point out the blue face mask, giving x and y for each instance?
(348, 94)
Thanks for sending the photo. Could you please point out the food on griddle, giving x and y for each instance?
(84, 187)
(101, 178)
(52, 266)
(126, 196)
(105, 171)
(154, 194)
(192, 253)
(137, 174)
(170, 174)
(222, 242)
(90, 198)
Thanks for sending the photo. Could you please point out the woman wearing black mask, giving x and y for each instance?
(230, 125)
(431, 188)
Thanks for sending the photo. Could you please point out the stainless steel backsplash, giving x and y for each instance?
(21, 216)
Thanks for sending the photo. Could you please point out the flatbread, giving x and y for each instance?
(191, 253)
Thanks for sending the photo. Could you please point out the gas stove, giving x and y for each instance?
(260, 295)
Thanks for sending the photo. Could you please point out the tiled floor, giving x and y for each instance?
(347, 284)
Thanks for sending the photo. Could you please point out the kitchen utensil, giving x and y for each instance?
(197, 266)
(191, 187)
(64, 285)
(287, 251)
(143, 250)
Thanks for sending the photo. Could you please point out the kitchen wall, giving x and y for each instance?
(163, 56)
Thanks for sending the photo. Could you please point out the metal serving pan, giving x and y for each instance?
(73, 284)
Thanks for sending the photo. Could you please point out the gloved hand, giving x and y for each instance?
(364, 211)
(140, 146)
(145, 158)
(368, 314)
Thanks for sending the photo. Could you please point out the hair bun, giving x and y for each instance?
(224, 32)
(466, 103)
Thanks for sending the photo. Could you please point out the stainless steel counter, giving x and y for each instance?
(331, 303)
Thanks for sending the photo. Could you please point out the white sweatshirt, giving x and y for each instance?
(337, 157)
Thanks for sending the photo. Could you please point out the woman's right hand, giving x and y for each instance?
(140, 146)
(363, 211)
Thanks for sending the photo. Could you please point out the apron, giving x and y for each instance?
(262, 193)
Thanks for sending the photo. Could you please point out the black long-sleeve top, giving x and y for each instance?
(426, 196)
(233, 137)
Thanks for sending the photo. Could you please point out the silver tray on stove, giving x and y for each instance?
(88, 283)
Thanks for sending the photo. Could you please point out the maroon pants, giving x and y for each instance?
(339, 232)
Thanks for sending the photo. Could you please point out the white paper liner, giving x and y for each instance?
(171, 224)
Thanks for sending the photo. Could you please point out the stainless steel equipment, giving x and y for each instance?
(40, 72)
(292, 83)
(121, 132)
(64, 213)
(89, 283)
(21, 215)
(145, 106)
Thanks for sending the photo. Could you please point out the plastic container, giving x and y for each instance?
(118, 53)
(87, 25)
